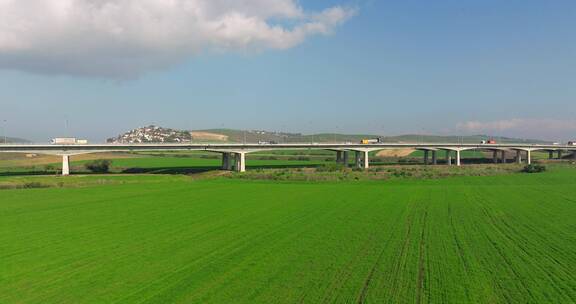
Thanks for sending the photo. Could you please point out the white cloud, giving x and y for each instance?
(124, 38)
(533, 128)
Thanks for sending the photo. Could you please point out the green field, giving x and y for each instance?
(442, 154)
(177, 239)
(174, 162)
(198, 161)
(168, 163)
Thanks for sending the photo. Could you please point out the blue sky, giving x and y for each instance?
(435, 67)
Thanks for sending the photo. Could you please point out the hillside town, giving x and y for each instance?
(152, 134)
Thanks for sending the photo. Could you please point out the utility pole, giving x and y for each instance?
(422, 135)
(5, 122)
(311, 133)
(335, 134)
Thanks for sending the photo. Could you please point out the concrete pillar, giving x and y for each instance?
(495, 156)
(345, 158)
(434, 158)
(550, 154)
(426, 157)
(449, 158)
(559, 154)
(458, 163)
(503, 157)
(518, 156)
(358, 161)
(529, 157)
(226, 161)
(241, 162)
(366, 160)
(338, 157)
(65, 165)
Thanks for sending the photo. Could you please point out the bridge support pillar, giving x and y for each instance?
(366, 162)
(458, 160)
(503, 157)
(226, 161)
(339, 157)
(426, 152)
(449, 158)
(518, 157)
(241, 162)
(345, 157)
(550, 154)
(495, 156)
(529, 157)
(434, 157)
(358, 159)
(65, 165)
(559, 154)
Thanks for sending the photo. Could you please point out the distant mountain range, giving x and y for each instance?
(280, 137)
(166, 135)
(14, 140)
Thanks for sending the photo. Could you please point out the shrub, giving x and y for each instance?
(33, 185)
(209, 156)
(534, 169)
(51, 169)
(330, 168)
(99, 166)
(300, 158)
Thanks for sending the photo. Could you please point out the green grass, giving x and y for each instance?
(173, 239)
(174, 162)
(442, 154)
(183, 162)
(169, 162)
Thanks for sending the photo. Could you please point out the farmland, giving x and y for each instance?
(151, 162)
(178, 239)
(190, 162)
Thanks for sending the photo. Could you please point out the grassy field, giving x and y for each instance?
(155, 163)
(189, 162)
(177, 239)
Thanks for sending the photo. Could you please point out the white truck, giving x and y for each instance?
(572, 143)
(68, 141)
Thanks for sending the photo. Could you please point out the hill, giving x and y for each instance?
(14, 140)
(151, 134)
(160, 134)
(282, 137)
(463, 139)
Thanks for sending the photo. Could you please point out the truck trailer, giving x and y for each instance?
(370, 141)
(68, 141)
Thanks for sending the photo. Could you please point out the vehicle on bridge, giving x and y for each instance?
(572, 143)
(371, 141)
(488, 142)
(68, 141)
(267, 142)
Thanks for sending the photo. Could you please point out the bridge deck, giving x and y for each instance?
(233, 155)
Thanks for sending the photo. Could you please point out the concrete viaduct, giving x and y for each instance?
(234, 155)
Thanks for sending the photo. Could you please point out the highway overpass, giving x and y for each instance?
(234, 155)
